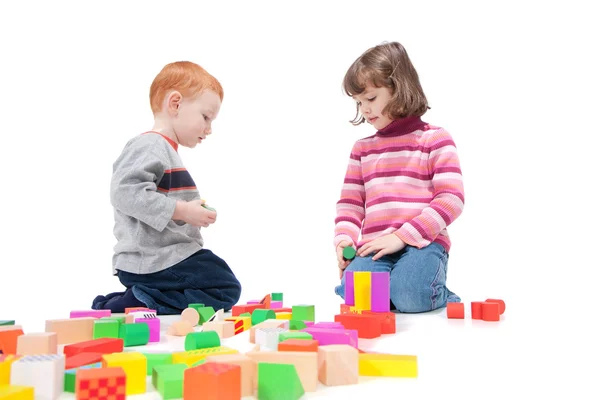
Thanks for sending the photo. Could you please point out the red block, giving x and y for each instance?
(490, 311)
(501, 304)
(8, 340)
(476, 309)
(103, 345)
(212, 381)
(298, 345)
(455, 310)
(81, 359)
(368, 326)
(278, 310)
(245, 308)
(387, 318)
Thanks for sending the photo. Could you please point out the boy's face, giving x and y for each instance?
(192, 123)
(372, 102)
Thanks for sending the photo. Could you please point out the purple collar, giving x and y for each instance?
(402, 126)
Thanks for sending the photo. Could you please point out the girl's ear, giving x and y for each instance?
(173, 102)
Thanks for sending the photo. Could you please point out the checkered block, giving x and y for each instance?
(43, 372)
(101, 384)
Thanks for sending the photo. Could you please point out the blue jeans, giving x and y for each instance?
(417, 277)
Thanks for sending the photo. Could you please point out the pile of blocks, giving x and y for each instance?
(489, 310)
(93, 354)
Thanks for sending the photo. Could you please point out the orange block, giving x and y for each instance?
(8, 340)
(81, 359)
(212, 381)
(455, 310)
(388, 320)
(100, 384)
(490, 311)
(368, 326)
(501, 304)
(245, 308)
(298, 345)
(476, 309)
(266, 301)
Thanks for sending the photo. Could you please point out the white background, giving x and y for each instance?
(515, 83)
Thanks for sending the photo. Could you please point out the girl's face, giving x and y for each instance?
(371, 103)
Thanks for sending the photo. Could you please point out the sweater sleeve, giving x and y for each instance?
(134, 186)
(350, 209)
(448, 193)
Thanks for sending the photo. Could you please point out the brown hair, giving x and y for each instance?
(387, 65)
(184, 76)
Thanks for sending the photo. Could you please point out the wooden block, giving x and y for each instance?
(387, 319)
(81, 359)
(270, 323)
(362, 290)
(367, 326)
(191, 315)
(15, 392)
(304, 361)
(282, 310)
(9, 337)
(501, 304)
(90, 313)
(225, 329)
(248, 369)
(45, 373)
(490, 311)
(380, 291)
(72, 330)
(134, 365)
(101, 383)
(244, 308)
(283, 315)
(268, 338)
(298, 345)
(193, 356)
(5, 362)
(103, 345)
(334, 336)
(338, 365)
(212, 381)
(455, 310)
(370, 364)
(37, 343)
(476, 309)
(180, 328)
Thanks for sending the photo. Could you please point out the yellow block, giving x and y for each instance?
(193, 356)
(387, 365)
(283, 315)
(362, 290)
(134, 365)
(247, 322)
(13, 392)
(5, 369)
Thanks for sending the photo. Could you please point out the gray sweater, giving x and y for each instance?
(148, 178)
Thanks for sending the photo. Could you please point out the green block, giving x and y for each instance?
(156, 359)
(199, 362)
(106, 328)
(296, 325)
(134, 334)
(168, 380)
(295, 335)
(71, 375)
(246, 314)
(261, 314)
(278, 382)
(277, 296)
(7, 322)
(303, 312)
(195, 306)
(202, 340)
(205, 313)
(208, 208)
(349, 253)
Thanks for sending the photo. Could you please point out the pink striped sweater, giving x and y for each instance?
(405, 179)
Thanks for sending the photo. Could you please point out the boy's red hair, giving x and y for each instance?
(186, 77)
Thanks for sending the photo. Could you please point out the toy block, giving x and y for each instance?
(294, 335)
(298, 345)
(259, 315)
(134, 334)
(82, 359)
(282, 310)
(132, 309)
(37, 343)
(296, 325)
(501, 304)
(248, 369)
(180, 328)
(138, 315)
(101, 384)
(45, 373)
(387, 320)
(490, 311)
(277, 297)
(284, 315)
(266, 301)
(380, 291)
(134, 364)
(338, 365)
(128, 319)
(367, 326)
(104, 346)
(225, 329)
(70, 379)
(244, 308)
(219, 315)
(153, 327)
(157, 359)
(191, 314)
(168, 380)
(348, 253)
(270, 323)
(329, 325)
(276, 304)
(238, 325)
(205, 313)
(346, 309)
(455, 310)
(6, 322)
(253, 302)
(193, 356)
(15, 392)
(349, 288)
(304, 361)
(72, 330)
(303, 312)
(268, 338)
(278, 382)
(120, 318)
(201, 340)
(246, 314)
(213, 381)
(5, 362)
(476, 309)
(362, 290)
(309, 323)
(106, 328)
(8, 339)
(334, 336)
(371, 364)
(90, 313)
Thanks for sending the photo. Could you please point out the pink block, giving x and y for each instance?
(276, 304)
(253, 302)
(328, 325)
(380, 291)
(154, 325)
(90, 313)
(334, 336)
(309, 323)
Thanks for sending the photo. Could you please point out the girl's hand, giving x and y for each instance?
(383, 245)
(342, 264)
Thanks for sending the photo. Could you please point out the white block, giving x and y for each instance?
(268, 338)
(45, 372)
(142, 315)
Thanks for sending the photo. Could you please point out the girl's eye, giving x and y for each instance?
(372, 98)
(205, 118)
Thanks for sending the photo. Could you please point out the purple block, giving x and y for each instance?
(309, 323)
(380, 291)
(349, 288)
(328, 325)
(253, 302)
(90, 313)
(277, 304)
(333, 336)
(153, 325)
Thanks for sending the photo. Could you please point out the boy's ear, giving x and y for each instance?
(173, 102)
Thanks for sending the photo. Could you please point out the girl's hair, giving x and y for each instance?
(387, 65)
(184, 76)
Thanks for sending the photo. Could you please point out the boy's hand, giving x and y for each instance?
(342, 264)
(194, 213)
(383, 245)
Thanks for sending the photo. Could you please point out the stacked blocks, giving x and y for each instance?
(366, 290)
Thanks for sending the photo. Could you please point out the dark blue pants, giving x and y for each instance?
(201, 278)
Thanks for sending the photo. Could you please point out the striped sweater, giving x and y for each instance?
(405, 179)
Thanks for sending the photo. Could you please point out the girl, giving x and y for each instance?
(403, 185)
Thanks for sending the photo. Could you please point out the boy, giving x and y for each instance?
(159, 255)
